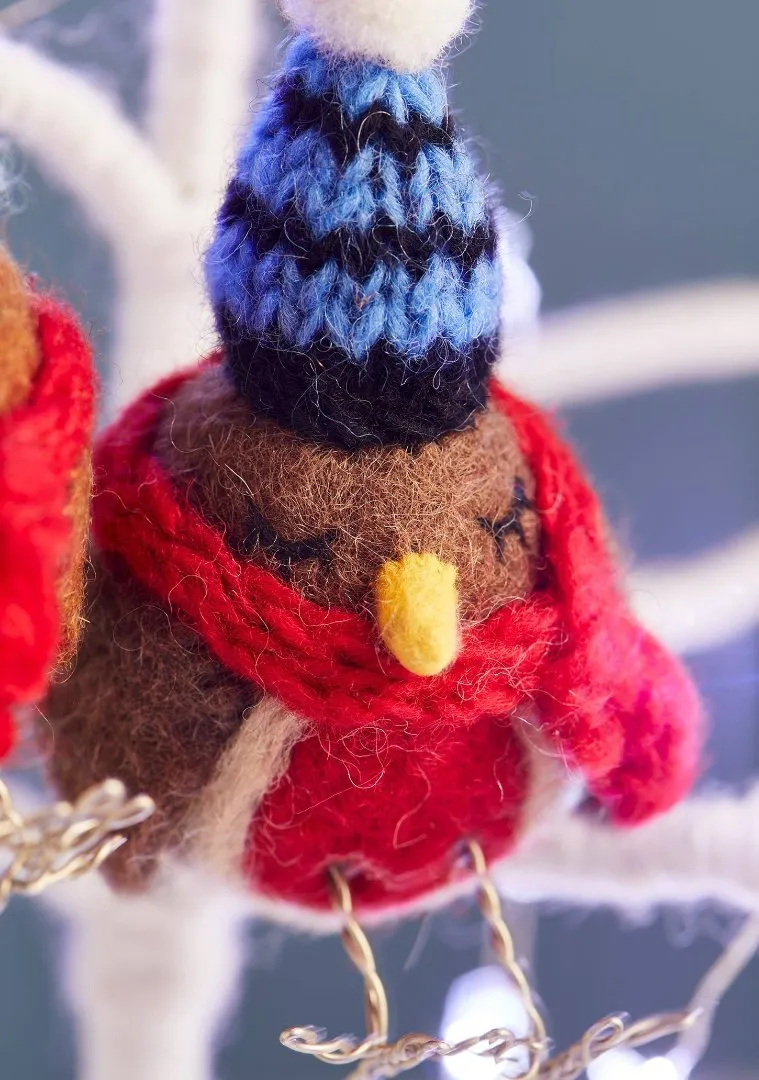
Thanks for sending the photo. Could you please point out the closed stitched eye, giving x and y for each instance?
(510, 524)
(286, 553)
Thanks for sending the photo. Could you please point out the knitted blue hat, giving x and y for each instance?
(354, 273)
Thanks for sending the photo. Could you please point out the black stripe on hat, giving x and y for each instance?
(357, 251)
(300, 110)
(324, 395)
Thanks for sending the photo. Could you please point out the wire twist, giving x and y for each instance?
(502, 942)
(378, 1059)
(64, 841)
(346, 1050)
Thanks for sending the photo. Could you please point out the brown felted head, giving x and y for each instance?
(328, 519)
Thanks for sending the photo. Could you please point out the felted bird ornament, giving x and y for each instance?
(353, 602)
(46, 418)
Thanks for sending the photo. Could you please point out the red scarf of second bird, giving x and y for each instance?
(42, 441)
(614, 704)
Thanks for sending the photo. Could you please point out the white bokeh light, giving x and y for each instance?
(485, 999)
(660, 1068)
(630, 1065)
(478, 1002)
(617, 1065)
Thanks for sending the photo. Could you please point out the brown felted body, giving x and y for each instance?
(19, 353)
(144, 703)
(72, 584)
(374, 505)
(346, 444)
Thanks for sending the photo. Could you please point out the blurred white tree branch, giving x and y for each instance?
(696, 333)
(706, 849)
(114, 173)
(151, 194)
(700, 603)
(203, 60)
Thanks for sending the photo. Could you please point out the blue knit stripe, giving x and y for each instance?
(299, 172)
(315, 249)
(269, 296)
(297, 169)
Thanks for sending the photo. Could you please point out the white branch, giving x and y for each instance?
(699, 604)
(697, 333)
(163, 321)
(153, 978)
(77, 134)
(204, 57)
(706, 849)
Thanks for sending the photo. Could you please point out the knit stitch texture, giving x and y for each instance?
(42, 442)
(354, 271)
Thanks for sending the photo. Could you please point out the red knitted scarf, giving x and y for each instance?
(570, 647)
(41, 443)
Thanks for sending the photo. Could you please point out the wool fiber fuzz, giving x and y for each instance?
(19, 350)
(392, 744)
(355, 602)
(44, 491)
(355, 272)
(327, 520)
(407, 35)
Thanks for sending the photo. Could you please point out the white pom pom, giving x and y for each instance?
(407, 35)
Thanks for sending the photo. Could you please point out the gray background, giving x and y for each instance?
(634, 126)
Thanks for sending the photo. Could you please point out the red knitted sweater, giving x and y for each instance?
(399, 768)
(41, 443)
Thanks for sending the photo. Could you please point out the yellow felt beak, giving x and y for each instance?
(417, 612)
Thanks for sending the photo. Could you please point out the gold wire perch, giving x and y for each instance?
(347, 1050)
(377, 1058)
(64, 841)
